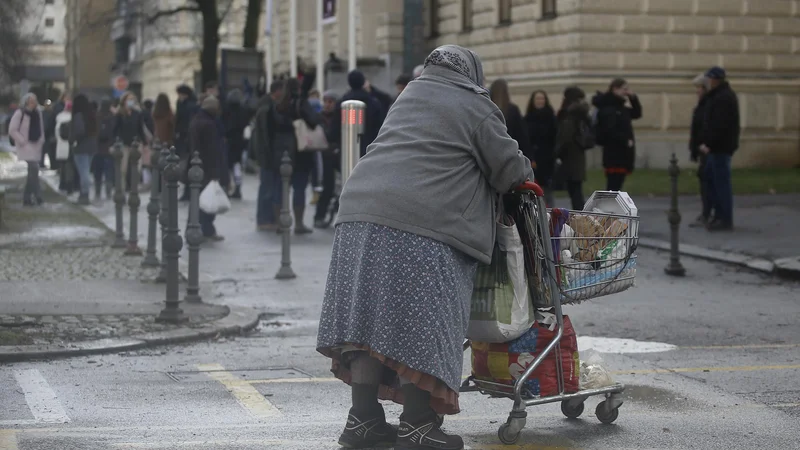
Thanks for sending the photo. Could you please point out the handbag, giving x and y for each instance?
(308, 139)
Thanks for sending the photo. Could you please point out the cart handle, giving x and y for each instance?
(530, 186)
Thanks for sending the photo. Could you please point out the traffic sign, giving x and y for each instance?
(120, 83)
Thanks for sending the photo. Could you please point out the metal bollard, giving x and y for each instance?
(286, 272)
(164, 203)
(119, 195)
(675, 268)
(352, 130)
(134, 201)
(153, 208)
(194, 236)
(172, 243)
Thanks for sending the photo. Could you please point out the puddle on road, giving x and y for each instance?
(621, 346)
(657, 398)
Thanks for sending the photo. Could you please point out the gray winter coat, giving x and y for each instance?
(440, 159)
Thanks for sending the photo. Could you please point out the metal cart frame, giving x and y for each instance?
(572, 404)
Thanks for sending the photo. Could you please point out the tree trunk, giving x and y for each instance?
(208, 55)
(251, 23)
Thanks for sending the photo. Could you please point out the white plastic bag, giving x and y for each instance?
(501, 308)
(592, 373)
(214, 200)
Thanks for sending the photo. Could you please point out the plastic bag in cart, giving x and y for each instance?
(593, 374)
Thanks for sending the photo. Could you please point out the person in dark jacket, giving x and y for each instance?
(83, 142)
(185, 109)
(292, 106)
(512, 115)
(542, 126)
(205, 138)
(267, 210)
(719, 140)
(383, 98)
(130, 125)
(615, 131)
(236, 117)
(331, 161)
(572, 120)
(696, 136)
(103, 160)
(373, 116)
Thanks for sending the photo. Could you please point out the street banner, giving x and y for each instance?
(328, 11)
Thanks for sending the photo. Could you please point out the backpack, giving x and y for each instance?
(599, 128)
(63, 130)
(587, 136)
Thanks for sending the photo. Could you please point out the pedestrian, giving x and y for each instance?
(236, 117)
(316, 174)
(292, 106)
(185, 109)
(206, 139)
(373, 115)
(719, 141)
(164, 121)
(83, 142)
(512, 115)
(383, 98)
(542, 125)
(401, 82)
(416, 216)
(331, 161)
(146, 147)
(103, 160)
(49, 150)
(128, 127)
(268, 207)
(615, 131)
(573, 121)
(61, 117)
(695, 138)
(27, 129)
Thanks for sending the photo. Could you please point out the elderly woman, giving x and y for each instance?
(415, 218)
(27, 130)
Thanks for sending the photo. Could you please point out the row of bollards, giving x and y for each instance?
(162, 210)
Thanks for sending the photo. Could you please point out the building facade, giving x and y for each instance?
(46, 34)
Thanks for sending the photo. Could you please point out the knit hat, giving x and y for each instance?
(716, 73)
(330, 95)
(356, 79)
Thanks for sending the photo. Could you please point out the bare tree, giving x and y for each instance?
(12, 40)
(251, 25)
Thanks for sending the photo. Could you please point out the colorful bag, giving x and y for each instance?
(505, 363)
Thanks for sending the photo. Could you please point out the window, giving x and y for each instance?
(433, 17)
(466, 15)
(548, 9)
(49, 22)
(504, 7)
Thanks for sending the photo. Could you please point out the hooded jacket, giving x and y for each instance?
(615, 129)
(440, 160)
(721, 125)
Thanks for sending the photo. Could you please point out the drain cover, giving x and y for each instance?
(244, 374)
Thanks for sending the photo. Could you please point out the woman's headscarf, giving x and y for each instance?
(460, 60)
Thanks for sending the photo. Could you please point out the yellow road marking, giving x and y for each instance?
(8, 440)
(244, 392)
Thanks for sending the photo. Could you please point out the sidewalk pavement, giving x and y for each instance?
(65, 292)
(766, 236)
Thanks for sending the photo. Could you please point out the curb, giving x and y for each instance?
(787, 268)
(238, 320)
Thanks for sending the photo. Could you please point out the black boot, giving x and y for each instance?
(367, 431)
(420, 426)
(98, 190)
(237, 193)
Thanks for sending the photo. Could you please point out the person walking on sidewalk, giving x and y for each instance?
(267, 209)
(206, 139)
(129, 126)
(83, 142)
(103, 161)
(331, 161)
(573, 122)
(27, 129)
(416, 216)
(540, 119)
(695, 138)
(615, 131)
(720, 139)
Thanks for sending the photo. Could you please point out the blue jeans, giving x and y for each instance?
(103, 170)
(719, 188)
(270, 193)
(84, 164)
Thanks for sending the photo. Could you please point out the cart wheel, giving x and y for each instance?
(572, 413)
(505, 435)
(606, 417)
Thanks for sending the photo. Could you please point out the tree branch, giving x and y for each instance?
(170, 12)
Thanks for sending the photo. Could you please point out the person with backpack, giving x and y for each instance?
(614, 131)
(574, 137)
(26, 128)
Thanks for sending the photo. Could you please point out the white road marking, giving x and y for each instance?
(621, 346)
(42, 401)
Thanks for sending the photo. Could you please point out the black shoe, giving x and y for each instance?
(426, 435)
(27, 202)
(367, 433)
(720, 225)
(700, 222)
(39, 201)
(237, 194)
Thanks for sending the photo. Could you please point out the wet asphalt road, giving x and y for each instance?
(732, 382)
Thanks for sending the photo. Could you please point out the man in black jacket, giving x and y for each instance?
(373, 116)
(720, 139)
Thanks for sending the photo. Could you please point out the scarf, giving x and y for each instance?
(462, 61)
(35, 127)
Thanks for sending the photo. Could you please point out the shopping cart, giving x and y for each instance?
(570, 256)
